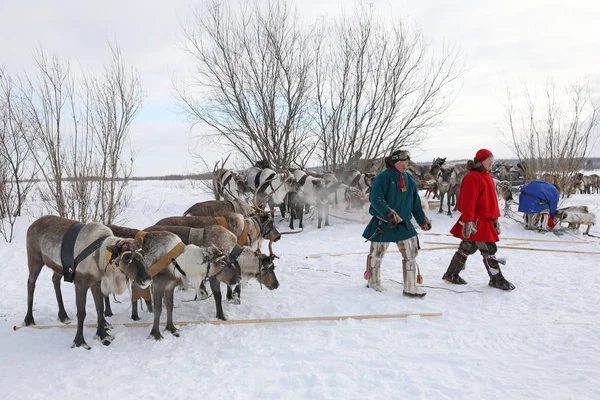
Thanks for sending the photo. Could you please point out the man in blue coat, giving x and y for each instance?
(536, 197)
(394, 200)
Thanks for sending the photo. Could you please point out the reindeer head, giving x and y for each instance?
(436, 165)
(221, 268)
(267, 225)
(129, 259)
(266, 275)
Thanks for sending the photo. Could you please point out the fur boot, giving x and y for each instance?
(457, 264)
(409, 272)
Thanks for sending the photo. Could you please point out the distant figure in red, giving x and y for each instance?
(478, 225)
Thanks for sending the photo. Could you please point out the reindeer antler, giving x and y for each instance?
(271, 254)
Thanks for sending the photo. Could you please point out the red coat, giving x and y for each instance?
(477, 202)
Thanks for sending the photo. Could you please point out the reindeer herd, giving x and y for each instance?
(218, 241)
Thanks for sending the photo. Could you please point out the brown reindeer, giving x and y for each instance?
(216, 208)
(250, 231)
(253, 264)
(53, 241)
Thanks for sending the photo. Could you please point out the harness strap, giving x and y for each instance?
(222, 222)
(257, 179)
(303, 179)
(166, 259)
(138, 293)
(67, 249)
(244, 238)
(235, 253)
(89, 250)
(355, 181)
(226, 181)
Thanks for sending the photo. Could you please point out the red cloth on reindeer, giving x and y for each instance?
(477, 202)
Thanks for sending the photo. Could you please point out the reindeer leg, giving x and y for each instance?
(62, 313)
(215, 286)
(300, 216)
(441, 210)
(35, 264)
(202, 294)
(107, 309)
(169, 304)
(101, 330)
(282, 209)
(81, 289)
(234, 295)
(134, 310)
(158, 290)
(326, 205)
(448, 196)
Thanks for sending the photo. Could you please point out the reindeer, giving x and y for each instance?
(270, 187)
(361, 181)
(342, 197)
(227, 183)
(295, 204)
(449, 180)
(504, 191)
(84, 252)
(250, 231)
(215, 208)
(194, 263)
(253, 263)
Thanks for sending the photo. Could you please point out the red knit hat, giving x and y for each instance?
(483, 154)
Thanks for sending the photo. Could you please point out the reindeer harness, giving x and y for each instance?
(67, 251)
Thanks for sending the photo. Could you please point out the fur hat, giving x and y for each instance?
(483, 154)
(397, 155)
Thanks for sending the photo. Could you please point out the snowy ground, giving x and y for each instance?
(538, 342)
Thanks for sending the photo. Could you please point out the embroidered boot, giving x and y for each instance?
(497, 280)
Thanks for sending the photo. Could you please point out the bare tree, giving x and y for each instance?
(45, 102)
(79, 136)
(15, 155)
(116, 99)
(379, 86)
(253, 79)
(553, 139)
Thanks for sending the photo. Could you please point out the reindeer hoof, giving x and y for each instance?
(106, 340)
(108, 313)
(155, 334)
(221, 317)
(80, 343)
(201, 295)
(64, 318)
(28, 321)
(174, 331)
(135, 317)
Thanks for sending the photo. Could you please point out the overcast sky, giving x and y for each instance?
(505, 43)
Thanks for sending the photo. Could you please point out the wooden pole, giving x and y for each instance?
(246, 321)
(455, 246)
(520, 239)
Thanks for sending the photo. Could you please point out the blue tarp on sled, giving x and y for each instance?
(537, 196)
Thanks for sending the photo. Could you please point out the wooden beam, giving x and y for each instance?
(246, 321)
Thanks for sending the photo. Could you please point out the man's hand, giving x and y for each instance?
(392, 218)
(468, 229)
(427, 225)
(497, 226)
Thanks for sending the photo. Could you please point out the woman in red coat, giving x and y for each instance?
(478, 225)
